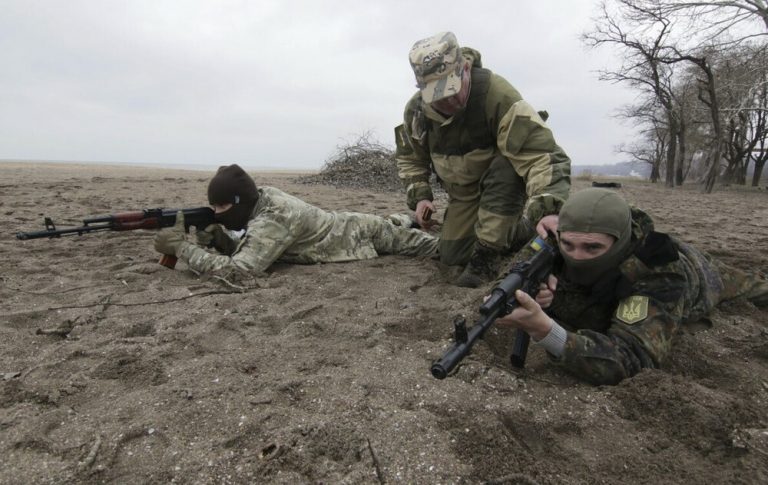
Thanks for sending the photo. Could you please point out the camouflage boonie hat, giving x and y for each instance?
(437, 63)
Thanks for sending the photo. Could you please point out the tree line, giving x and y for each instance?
(701, 73)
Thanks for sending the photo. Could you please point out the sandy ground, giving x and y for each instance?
(114, 369)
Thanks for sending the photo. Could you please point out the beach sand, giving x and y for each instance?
(114, 369)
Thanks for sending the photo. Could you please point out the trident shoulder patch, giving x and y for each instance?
(632, 309)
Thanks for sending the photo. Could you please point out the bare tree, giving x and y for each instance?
(756, 113)
(738, 72)
(737, 149)
(650, 151)
(720, 18)
(641, 42)
(685, 103)
(657, 38)
(709, 97)
(759, 152)
(653, 145)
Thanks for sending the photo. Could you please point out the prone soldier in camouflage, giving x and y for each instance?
(620, 291)
(280, 227)
(491, 151)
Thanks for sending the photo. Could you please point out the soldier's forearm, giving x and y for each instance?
(202, 261)
(554, 341)
(602, 359)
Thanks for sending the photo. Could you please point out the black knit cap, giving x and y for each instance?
(231, 185)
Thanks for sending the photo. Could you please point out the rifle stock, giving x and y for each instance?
(168, 261)
(526, 276)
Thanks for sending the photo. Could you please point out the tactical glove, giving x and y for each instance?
(169, 241)
(216, 237)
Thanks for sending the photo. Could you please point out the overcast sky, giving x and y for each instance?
(273, 84)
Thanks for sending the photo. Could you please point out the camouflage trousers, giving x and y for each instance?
(493, 215)
(738, 283)
(720, 282)
(392, 235)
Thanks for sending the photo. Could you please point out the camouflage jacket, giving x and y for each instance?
(285, 228)
(628, 320)
(497, 121)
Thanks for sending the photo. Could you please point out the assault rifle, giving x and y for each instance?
(200, 217)
(527, 276)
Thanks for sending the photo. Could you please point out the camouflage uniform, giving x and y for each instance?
(285, 228)
(496, 159)
(628, 320)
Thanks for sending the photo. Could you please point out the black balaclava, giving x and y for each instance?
(231, 185)
(596, 210)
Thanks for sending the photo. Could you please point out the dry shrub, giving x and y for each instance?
(585, 175)
(362, 164)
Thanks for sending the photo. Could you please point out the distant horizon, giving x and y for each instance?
(167, 165)
(211, 166)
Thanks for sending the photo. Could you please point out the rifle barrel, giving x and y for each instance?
(127, 221)
(61, 232)
(459, 350)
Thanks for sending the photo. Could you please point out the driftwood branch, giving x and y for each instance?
(379, 474)
(88, 461)
(21, 290)
(144, 303)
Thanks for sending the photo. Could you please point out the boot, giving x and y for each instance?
(482, 268)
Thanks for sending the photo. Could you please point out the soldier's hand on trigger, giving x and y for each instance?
(546, 293)
(528, 316)
(204, 236)
(214, 236)
(168, 241)
(424, 211)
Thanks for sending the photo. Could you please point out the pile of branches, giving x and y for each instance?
(362, 164)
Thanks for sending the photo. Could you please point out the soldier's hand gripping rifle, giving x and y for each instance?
(527, 276)
(200, 217)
